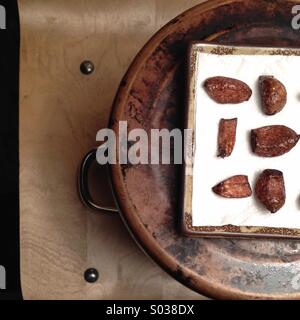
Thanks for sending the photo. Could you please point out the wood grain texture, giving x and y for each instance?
(60, 113)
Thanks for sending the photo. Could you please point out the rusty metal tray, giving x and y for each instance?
(151, 95)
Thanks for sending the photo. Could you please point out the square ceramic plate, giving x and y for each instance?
(205, 214)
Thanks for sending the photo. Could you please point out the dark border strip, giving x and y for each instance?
(9, 150)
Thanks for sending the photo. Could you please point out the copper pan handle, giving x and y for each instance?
(83, 185)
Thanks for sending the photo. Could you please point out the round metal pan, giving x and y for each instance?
(152, 95)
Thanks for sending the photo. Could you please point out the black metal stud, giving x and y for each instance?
(91, 275)
(87, 67)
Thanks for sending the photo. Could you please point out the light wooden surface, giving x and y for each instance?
(60, 113)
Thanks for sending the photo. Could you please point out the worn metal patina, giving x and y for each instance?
(152, 95)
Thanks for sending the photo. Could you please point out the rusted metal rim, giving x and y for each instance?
(136, 227)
